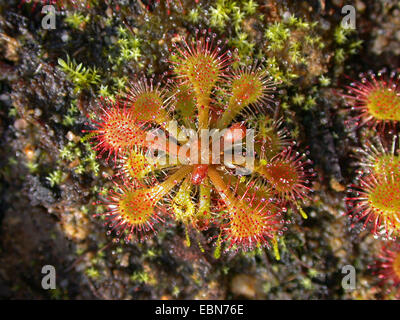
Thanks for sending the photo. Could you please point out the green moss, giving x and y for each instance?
(92, 273)
(194, 15)
(250, 6)
(290, 45)
(77, 20)
(12, 112)
(32, 166)
(306, 283)
(141, 277)
(55, 178)
(324, 81)
(82, 77)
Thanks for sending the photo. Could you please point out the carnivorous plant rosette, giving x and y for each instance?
(204, 150)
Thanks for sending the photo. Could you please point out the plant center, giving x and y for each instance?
(137, 207)
(384, 104)
(385, 198)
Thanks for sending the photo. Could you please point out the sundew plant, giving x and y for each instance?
(243, 202)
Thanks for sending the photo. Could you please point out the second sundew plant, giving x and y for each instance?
(244, 205)
(387, 268)
(376, 198)
(375, 99)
